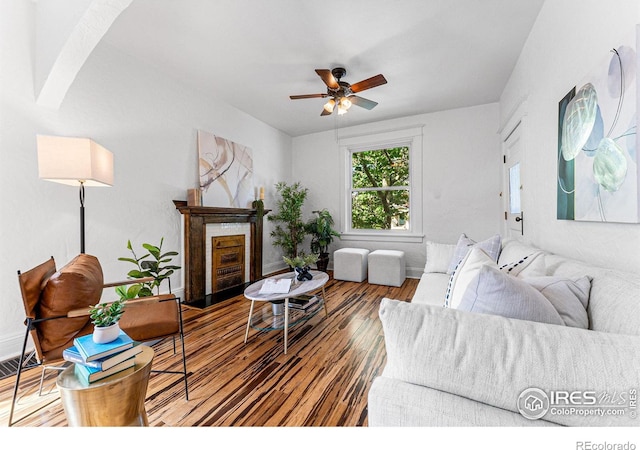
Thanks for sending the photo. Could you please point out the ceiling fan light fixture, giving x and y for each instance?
(342, 93)
(345, 103)
(328, 107)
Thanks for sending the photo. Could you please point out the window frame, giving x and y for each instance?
(408, 137)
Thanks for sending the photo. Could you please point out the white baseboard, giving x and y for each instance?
(12, 345)
(412, 272)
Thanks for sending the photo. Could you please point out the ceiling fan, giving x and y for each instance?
(341, 92)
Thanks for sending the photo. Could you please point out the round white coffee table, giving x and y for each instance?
(318, 281)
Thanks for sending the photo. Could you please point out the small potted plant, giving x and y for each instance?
(322, 233)
(301, 264)
(105, 318)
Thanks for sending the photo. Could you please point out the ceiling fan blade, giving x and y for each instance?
(297, 97)
(328, 78)
(369, 83)
(362, 102)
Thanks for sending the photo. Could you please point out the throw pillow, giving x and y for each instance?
(464, 273)
(77, 285)
(531, 265)
(491, 246)
(494, 292)
(438, 257)
(568, 297)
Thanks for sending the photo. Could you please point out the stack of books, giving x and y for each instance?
(303, 302)
(94, 362)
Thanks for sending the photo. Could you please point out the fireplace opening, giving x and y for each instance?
(227, 265)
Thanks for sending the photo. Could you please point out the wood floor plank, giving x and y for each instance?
(323, 380)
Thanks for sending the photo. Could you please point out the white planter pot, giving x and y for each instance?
(102, 335)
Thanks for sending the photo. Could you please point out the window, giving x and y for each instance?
(514, 189)
(382, 186)
(380, 189)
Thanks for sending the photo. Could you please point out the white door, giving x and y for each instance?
(512, 176)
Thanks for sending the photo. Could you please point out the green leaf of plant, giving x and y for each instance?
(145, 292)
(121, 291)
(155, 251)
(134, 290)
(147, 264)
(128, 260)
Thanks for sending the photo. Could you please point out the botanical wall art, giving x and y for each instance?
(598, 174)
(226, 172)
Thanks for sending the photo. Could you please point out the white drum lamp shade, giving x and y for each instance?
(76, 162)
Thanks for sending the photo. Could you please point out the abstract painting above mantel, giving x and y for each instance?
(226, 172)
(597, 173)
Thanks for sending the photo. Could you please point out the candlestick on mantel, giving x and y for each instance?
(261, 193)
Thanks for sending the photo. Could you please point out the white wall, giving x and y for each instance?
(147, 120)
(461, 176)
(568, 39)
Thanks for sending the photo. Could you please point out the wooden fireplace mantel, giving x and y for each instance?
(195, 220)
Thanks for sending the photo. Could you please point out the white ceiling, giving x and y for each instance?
(435, 54)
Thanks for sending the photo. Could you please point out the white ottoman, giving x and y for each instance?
(387, 267)
(350, 264)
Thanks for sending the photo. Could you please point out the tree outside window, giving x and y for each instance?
(380, 188)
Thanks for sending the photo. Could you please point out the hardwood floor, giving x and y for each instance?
(323, 380)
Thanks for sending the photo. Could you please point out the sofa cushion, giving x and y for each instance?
(491, 246)
(395, 403)
(530, 265)
(569, 297)
(614, 304)
(514, 250)
(431, 289)
(76, 285)
(493, 359)
(494, 292)
(438, 257)
(468, 268)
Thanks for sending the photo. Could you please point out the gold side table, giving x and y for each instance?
(117, 400)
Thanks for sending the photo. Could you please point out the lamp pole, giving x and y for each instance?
(81, 216)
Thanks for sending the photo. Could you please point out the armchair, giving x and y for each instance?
(57, 306)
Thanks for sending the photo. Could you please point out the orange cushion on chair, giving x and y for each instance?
(146, 321)
(76, 285)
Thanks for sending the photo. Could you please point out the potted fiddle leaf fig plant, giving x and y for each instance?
(322, 233)
(154, 264)
(105, 318)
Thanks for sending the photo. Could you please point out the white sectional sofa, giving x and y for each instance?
(449, 367)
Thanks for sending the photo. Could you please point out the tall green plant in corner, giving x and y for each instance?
(290, 229)
(152, 267)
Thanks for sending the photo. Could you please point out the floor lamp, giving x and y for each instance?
(76, 162)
